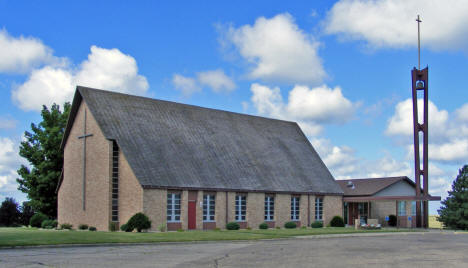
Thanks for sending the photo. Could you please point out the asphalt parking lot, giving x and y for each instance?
(432, 249)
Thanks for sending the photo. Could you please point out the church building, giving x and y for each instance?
(187, 167)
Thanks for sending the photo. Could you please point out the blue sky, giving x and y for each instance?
(339, 68)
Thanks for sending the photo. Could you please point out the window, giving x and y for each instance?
(413, 208)
(241, 207)
(269, 208)
(173, 207)
(401, 208)
(115, 182)
(294, 208)
(319, 208)
(209, 207)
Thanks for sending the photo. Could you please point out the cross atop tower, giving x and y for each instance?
(419, 44)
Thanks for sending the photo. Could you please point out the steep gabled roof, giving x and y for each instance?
(173, 145)
(369, 186)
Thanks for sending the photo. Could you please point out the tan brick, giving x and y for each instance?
(255, 209)
(282, 209)
(332, 206)
(154, 206)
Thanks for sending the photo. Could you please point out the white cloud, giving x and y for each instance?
(217, 80)
(448, 139)
(107, 69)
(7, 123)
(391, 23)
(21, 54)
(186, 85)
(278, 50)
(310, 107)
(9, 163)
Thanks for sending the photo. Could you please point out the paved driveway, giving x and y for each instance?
(433, 249)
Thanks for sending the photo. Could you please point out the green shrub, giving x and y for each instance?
(217, 229)
(263, 226)
(162, 227)
(66, 226)
(113, 226)
(317, 224)
(337, 221)
(233, 226)
(392, 220)
(92, 229)
(180, 230)
(290, 225)
(124, 227)
(277, 227)
(83, 227)
(49, 224)
(248, 228)
(303, 227)
(37, 219)
(139, 221)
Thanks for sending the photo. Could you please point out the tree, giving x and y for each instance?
(9, 212)
(42, 150)
(454, 210)
(26, 213)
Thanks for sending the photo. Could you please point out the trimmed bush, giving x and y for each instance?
(124, 227)
(180, 230)
(263, 226)
(277, 227)
(233, 226)
(139, 221)
(392, 220)
(37, 219)
(83, 227)
(66, 226)
(92, 229)
(317, 224)
(290, 225)
(49, 224)
(113, 226)
(303, 227)
(337, 221)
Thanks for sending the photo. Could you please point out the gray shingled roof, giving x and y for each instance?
(370, 186)
(173, 145)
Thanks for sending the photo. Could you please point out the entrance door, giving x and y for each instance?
(192, 210)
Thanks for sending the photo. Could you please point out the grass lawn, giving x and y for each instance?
(434, 223)
(32, 236)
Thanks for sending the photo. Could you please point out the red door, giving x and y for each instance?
(192, 210)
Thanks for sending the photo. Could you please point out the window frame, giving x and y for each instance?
(318, 208)
(240, 205)
(400, 211)
(269, 208)
(295, 208)
(171, 210)
(209, 207)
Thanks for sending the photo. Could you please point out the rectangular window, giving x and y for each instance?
(401, 208)
(319, 208)
(209, 207)
(241, 207)
(173, 207)
(115, 182)
(269, 208)
(413, 208)
(295, 208)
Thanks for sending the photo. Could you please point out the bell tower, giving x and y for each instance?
(420, 85)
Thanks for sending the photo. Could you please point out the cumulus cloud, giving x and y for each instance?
(9, 162)
(7, 123)
(278, 50)
(391, 23)
(186, 85)
(217, 80)
(22, 54)
(108, 69)
(310, 107)
(448, 139)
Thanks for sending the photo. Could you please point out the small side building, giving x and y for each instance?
(187, 167)
(377, 198)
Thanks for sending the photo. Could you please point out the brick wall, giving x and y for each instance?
(255, 209)
(332, 206)
(70, 201)
(154, 206)
(381, 209)
(130, 191)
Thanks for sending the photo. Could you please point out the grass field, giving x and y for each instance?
(31, 236)
(434, 223)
